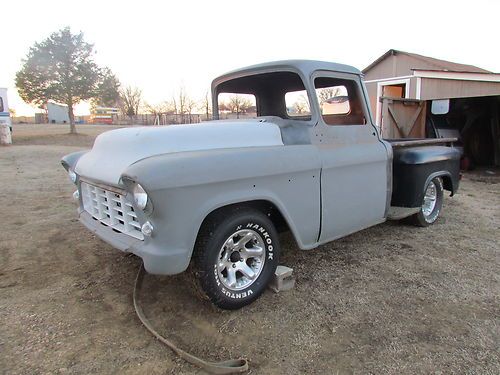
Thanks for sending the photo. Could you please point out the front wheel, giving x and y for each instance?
(432, 204)
(235, 257)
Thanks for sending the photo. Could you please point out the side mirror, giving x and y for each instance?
(440, 107)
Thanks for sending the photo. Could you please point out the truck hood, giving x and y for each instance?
(115, 150)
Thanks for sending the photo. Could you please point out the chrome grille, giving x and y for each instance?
(111, 209)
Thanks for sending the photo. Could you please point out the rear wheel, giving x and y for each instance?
(432, 203)
(235, 257)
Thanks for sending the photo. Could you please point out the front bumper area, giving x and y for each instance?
(156, 260)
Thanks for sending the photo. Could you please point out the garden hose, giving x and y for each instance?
(225, 367)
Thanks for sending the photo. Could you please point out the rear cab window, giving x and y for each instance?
(339, 101)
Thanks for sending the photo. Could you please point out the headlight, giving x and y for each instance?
(72, 176)
(140, 197)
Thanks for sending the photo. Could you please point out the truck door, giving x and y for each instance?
(354, 177)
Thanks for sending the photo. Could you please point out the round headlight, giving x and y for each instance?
(140, 197)
(72, 176)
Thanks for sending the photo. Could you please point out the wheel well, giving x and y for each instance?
(447, 183)
(266, 207)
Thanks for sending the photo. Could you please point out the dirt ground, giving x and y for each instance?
(391, 299)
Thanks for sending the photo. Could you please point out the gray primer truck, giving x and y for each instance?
(215, 195)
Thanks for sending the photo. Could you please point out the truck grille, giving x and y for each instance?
(111, 209)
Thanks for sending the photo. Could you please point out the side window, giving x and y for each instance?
(297, 104)
(1, 104)
(339, 101)
(236, 106)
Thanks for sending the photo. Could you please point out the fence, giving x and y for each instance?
(158, 119)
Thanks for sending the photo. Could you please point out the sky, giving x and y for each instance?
(160, 46)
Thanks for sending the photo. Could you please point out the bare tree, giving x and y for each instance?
(182, 101)
(301, 105)
(157, 110)
(205, 105)
(223, 106)
(172, 106)
(238, 104)
(182, 104)
(130, 101)
(328, 93)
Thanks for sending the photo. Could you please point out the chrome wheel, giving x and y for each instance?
(241, 259)
(430, 199)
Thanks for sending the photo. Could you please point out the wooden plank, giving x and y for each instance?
(413, 119)
(396, 123)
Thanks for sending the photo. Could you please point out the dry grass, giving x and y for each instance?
(391, 299)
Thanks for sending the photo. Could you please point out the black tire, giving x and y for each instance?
(212, 253)
(425, 218)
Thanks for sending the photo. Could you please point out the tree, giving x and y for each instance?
(181, 104)
(328, 93)
(205, 105)
(12, 112)
(190, 106)
(238, 104)
(60, 68)
(157, 110)
(300, 106)
(108, 90)
(130, 100)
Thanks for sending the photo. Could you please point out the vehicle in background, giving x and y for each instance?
(103, 115)
(4, 108)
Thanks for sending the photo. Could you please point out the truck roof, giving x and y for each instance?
(306, 67)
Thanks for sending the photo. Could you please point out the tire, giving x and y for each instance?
(236, 255)
(432, 204)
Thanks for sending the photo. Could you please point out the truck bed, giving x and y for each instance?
(415, 162)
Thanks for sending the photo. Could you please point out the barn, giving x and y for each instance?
(415, 96)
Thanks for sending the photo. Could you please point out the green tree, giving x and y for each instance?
(60, 68)
(108, 90)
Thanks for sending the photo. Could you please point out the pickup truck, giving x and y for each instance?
(304, 157)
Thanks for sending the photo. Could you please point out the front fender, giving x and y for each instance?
(186, 187)
(69, 161)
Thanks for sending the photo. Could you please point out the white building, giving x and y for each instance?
(57, 113)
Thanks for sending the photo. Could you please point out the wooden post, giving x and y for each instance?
(495, 131)
(5, 136)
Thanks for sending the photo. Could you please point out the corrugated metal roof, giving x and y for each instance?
(441, 65)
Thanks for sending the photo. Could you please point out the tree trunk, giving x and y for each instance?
(71, 115)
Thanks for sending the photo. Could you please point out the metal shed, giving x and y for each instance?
(418, 96)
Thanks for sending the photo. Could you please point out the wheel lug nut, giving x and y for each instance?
(234, 265)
